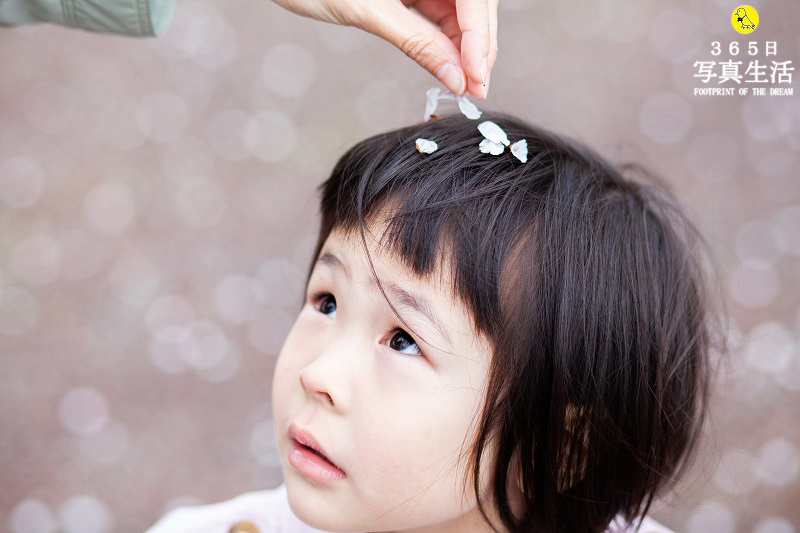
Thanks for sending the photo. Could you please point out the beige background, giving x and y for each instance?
(157, 212)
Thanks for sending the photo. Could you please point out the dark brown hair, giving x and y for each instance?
(587, 284)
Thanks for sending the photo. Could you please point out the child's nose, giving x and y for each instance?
(324, 381)
(316, 393)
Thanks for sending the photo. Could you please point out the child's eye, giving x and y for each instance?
(402, 341)
(327, 304)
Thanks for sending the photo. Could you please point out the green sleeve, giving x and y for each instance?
(128, 17)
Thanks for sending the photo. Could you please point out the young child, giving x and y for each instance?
(490, 341)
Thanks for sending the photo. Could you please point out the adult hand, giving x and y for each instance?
(466, 42)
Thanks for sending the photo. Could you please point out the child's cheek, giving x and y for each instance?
(286, 372)
(395, 370)
(281, 378)
(412, 370)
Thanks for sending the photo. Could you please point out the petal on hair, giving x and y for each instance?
(431, 99)
(424, 146)
(520, 150)
(468, 108)
(493, 132)
(488, 146)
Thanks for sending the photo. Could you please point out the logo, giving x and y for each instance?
(744, 68)
(744, 19)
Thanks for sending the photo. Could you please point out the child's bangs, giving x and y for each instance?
(456, 211)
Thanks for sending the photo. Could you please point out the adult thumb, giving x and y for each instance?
(420, 40)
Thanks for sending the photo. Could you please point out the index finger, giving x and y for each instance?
(473, 19)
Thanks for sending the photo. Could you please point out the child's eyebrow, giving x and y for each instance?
(407, 299)
(330, 260)
(403, 297)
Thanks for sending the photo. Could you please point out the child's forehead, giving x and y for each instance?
(434, 290)
(349, 247)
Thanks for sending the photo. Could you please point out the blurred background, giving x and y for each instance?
(158, 212)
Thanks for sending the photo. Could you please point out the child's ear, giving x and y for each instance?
(575, 446)
(573, 456)
(516, 497)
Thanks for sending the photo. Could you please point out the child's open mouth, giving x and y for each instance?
(313, 464)
(306, 455)
(312, 450)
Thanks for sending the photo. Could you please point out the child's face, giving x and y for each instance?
(393, 420)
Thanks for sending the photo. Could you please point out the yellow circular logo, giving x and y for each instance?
(744, 19)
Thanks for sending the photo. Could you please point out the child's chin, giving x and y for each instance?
(314, 507)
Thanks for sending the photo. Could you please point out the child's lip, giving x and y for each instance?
(305, 438)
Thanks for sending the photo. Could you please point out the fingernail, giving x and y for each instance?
(486, 86)
(452, 77)
(485, 70)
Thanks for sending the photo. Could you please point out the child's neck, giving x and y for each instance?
(471, 522)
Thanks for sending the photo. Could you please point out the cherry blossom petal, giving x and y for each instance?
(520, 150)
(468, 108)
(488, 146)
(433, 95)
(431, 99)
(424, 146)
(493, 132)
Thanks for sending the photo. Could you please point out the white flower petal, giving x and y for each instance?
(468, 108)
(424, 146)
(434, 94)
(520, 150)
(488, 146)
(431, 99)
(493, 132)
